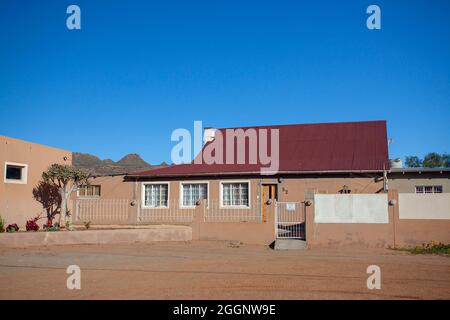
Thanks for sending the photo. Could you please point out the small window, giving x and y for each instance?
(428, 189)
(91, 191)
(156, 195)
(192, 193)
(15, 173)
(235, 194)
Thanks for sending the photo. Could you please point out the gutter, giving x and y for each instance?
(203, 174)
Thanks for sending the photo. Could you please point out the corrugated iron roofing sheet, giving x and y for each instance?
(303, 148)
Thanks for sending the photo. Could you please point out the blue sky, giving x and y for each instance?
(137, 70)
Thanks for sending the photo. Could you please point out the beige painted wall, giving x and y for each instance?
(16, 200)
(407, 232)
(424, 206)
(397, 233)
(290, 189)
(407, 183)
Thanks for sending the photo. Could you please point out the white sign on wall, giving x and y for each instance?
(351, 208)
(290, 206)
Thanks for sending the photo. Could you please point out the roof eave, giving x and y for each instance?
(255, 173)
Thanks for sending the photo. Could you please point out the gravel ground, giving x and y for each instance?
(218, 270)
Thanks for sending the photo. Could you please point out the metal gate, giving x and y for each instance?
(290, 220)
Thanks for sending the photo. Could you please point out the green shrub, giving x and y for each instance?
(435, 247)
(69, 226)
(12, 228)
(87, 224)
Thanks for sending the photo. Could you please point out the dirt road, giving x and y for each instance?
(214, 270)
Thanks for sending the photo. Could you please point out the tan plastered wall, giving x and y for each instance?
(407, 183)
(407, 232)
(289, 189)
(410, 232)
(397, 233)
(16, 200)
(112, 188)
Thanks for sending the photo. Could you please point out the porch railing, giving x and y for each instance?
(214, 212)
(102, 211)
(120, 211)
(170, 214)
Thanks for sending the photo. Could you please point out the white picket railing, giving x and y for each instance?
(170, 214)
(111, 211)
(214, 212)
(102, 211)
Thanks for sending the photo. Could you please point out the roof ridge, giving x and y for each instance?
(301, 124)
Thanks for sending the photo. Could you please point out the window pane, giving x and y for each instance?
(192, 192)
(235, 194)
(96, 191)
(437, 189)
(428, 189)
(13, 172)
(419, 189)
(156, 195)
(226, 195)
(163, 195)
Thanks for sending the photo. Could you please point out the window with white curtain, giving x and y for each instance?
(156, 195)
(235, 194)
(192, 192)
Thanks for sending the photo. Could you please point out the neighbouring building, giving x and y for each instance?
(420, 180)
(23, 163)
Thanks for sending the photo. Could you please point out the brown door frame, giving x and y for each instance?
(268, 191)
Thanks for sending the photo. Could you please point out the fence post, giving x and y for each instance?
(276, 219)
(77, 211)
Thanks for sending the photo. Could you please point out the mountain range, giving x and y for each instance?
(130, 163)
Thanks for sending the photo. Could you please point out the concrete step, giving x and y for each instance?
(290, 244)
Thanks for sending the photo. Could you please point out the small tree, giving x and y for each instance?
(446, 160)
(50, 198)
(413, 162)
(67, 179)
(432, 160)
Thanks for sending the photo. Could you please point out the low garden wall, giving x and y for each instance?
(113, 236)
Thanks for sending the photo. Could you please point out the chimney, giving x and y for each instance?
(209, 134)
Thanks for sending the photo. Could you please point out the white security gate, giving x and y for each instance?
(290, 220)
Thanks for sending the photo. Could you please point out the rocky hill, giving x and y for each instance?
(130, 163)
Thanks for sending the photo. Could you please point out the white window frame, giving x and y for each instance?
(89, 197)
(222, 206)
(143, 195)
(24, 178)
(181, 190)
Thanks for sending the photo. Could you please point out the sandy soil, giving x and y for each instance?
(215, 270)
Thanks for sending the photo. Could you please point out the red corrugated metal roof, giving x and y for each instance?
(303, 148)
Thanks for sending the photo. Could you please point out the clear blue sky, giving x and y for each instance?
(139, 69)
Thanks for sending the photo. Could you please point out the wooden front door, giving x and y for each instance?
(269, 192)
